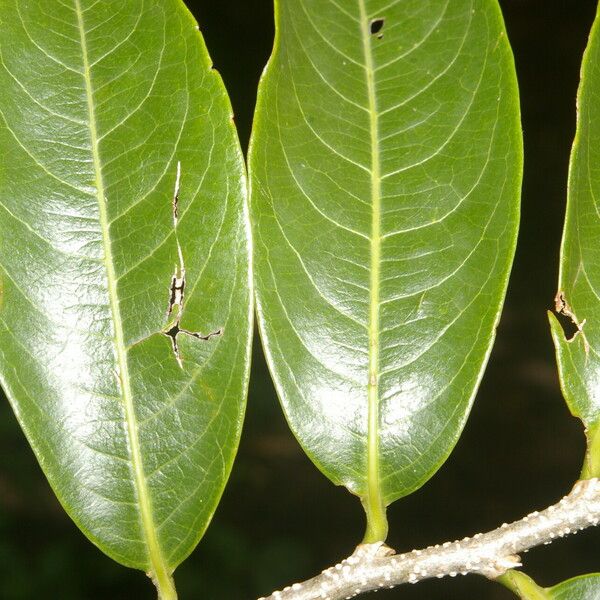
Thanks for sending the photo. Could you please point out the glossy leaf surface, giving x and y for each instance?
(585, 587)
(385, 170)
(99, 104)
(579, 281)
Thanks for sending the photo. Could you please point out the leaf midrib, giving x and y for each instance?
(374, 505)
(159, 569)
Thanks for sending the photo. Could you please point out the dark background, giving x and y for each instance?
(280, 520)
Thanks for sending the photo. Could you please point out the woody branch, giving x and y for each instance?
(376, 566)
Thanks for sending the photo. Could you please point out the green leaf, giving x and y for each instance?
(578, 297)
(584, 587)
(101, 104)
(385, 170)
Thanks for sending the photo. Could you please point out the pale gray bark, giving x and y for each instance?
(375, 566)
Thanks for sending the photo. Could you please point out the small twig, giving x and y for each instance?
(375, 566)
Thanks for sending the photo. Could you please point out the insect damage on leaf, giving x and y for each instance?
(178, 281)
(562, 307)
(176, 330)
(177, 288)
(376, 27)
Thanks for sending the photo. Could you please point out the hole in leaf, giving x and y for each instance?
(176, 292)
(377, 26)
(200, 336)
(174, 331)
(569, 328)
(571, 325)
(172, 334)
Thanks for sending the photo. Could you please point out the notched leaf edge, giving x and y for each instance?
(562, 307)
